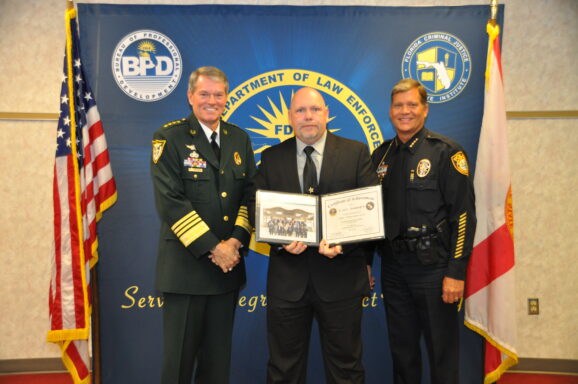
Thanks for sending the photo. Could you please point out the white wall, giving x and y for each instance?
(539, 60)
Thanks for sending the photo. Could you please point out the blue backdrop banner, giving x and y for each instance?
(138, 59)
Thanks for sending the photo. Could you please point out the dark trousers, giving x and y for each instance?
(289, 330)
(414, 307)
(197, 330)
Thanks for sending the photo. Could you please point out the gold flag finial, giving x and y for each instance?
(69, 4)
(494, 11)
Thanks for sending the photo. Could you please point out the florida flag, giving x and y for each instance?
(490, 283)
(83, 188)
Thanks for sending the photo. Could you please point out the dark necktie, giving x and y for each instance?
(309, 172)
(396, 196)
(215, 146)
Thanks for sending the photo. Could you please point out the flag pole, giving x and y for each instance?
(95, 313)
(96, 366)
(494, 12)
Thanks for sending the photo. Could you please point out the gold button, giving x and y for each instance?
(222, 172)
(223, 194)
(226, 218)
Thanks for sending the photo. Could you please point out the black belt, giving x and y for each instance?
(424, 241)
(403, 244)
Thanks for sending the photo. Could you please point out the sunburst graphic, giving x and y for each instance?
(146, 48)
(276, 125)
(278, 119)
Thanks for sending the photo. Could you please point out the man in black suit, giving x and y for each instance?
(325, 282)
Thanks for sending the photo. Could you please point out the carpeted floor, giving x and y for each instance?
(37, 378)
(537, 378)
(508, 378)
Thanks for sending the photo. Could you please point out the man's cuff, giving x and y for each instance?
(203, 245)
(457, 269)
(242, 235)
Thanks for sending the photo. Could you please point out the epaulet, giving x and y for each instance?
(175, 122)
(435, 136)
(231, 124)
(452, 144)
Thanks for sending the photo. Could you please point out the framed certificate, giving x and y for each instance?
(353, 216)
(345, 217)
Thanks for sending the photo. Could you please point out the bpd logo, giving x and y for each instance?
(146, 65)
(441, 62)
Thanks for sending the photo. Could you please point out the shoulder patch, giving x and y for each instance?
(158, 146)
(460, 163)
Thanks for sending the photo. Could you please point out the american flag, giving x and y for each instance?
(83, 188)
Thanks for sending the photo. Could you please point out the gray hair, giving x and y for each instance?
(405, 85)
(213, 73)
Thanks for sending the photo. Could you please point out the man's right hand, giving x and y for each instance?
(225, 255)
(295, 248)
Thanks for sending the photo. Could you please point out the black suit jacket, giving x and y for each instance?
(346, 165)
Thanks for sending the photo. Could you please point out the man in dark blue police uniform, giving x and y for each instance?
(430, 221)
(202, 169)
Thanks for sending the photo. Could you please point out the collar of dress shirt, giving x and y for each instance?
(319, 145)
(208, 132)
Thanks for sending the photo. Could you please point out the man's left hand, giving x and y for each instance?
(234, 242)
(452, 290)
(329, 250)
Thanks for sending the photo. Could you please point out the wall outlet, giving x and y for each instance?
(533, 306)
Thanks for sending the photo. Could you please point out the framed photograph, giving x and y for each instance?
(284, 217)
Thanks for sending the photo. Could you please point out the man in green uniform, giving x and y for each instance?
(202, 169)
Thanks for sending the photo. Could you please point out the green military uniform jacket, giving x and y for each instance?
(200, 201)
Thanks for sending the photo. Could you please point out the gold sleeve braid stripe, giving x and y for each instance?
(190, 228)
(461, 235)
(243, 219)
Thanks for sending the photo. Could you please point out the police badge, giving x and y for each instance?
(423, 168)
(237, 158)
